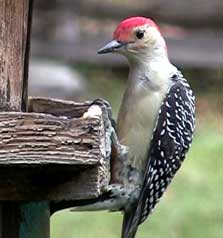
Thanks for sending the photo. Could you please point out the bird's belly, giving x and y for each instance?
(138, 141)
(136, 126)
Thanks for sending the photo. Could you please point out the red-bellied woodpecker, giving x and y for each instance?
(156, 121)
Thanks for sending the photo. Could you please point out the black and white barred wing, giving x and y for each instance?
(171, 140)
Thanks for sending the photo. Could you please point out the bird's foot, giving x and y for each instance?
(121, 150)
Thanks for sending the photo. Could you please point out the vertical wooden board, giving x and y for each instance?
(13, 39)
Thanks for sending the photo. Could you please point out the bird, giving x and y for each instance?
(156, 122)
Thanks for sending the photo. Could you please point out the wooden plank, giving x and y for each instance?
(96, 178)
(34, 138)
(54, 157)
(59, 107)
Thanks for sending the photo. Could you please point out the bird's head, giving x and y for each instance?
(136, 37)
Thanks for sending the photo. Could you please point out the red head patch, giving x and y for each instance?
(123, 30)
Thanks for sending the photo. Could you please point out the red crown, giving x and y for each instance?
(123, 30)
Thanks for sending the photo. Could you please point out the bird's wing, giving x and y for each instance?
(171, 140)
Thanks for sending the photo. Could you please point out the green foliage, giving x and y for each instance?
(190, 208)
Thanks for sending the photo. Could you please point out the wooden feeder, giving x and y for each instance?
(51, 151)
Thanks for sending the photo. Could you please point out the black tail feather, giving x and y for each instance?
(127, 224)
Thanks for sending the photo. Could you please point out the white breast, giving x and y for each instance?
(138, 114)
(136, 125)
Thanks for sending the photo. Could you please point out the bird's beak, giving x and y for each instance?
(112, 46)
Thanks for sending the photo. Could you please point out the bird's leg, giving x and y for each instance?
(119, 152)
(118, 160)
(116, 196)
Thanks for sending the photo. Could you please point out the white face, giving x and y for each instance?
(143, 40)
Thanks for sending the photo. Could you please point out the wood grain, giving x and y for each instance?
(57, 155)
(13, 38)
(42, 138)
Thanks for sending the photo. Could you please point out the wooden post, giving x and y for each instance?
(14, 52)
(18, 220)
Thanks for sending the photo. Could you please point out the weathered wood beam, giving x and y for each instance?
(35, 138)
(56, 155)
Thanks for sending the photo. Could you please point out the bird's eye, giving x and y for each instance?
(140, 34)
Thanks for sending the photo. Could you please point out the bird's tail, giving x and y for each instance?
(128, 217)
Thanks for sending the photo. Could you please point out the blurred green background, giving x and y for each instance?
(66, 36)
